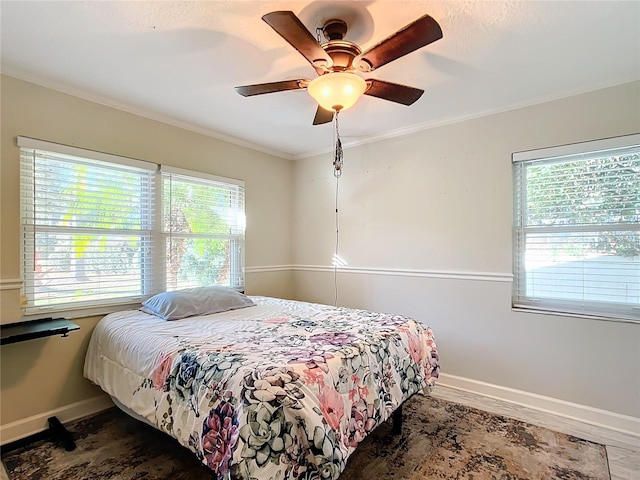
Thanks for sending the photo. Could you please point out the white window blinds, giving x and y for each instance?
(87, 221)
(203, 226)
(577, 229)
(99, 229)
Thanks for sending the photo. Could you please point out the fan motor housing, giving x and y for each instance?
(342, 52)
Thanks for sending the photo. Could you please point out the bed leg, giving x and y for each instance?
(397, 421)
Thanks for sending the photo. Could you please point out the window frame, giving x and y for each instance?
(154, 264)
(557, 306)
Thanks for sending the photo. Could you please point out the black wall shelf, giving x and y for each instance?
(45, 327)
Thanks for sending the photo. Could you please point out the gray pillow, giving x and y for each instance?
(195, 301)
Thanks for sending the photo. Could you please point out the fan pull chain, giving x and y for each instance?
(337, 172)
(337, 155)
(336, 258)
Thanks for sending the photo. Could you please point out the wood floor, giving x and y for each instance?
(623, 450)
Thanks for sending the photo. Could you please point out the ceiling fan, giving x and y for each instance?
(336, 61)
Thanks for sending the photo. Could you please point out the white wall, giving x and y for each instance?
(438, 203)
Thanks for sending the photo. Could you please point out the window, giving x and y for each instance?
(577, 229)
(203, 226)
(98, 229)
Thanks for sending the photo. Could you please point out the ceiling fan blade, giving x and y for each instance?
(322, 116)
(272, 87)
(394, 92)
(289, 27)
(422, 32)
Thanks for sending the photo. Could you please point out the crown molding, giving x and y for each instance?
(400, 132)
(141, 112)
(419, 127)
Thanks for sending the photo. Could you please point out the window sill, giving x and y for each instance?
(574, 315)
(84, 312)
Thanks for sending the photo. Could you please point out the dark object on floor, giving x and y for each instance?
(396, 418)
(56, 433)
(60, 433)
(439, 439)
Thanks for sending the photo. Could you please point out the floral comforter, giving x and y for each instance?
(281, 390)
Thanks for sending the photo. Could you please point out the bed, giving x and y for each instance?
(273, 390)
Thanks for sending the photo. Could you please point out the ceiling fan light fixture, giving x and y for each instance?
(337, 91)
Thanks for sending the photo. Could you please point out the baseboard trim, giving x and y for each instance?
(26, 427)
(624, 424)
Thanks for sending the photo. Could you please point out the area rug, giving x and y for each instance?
(440, 440)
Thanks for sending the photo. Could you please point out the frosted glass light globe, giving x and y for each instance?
(337, 91)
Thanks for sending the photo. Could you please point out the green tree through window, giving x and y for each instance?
(591, 192)
(199, 248)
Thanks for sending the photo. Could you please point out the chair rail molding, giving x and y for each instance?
(268, 268)
(403, 272)
(10, 283)
(398, 272)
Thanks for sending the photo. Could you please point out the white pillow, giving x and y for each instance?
(195, 301)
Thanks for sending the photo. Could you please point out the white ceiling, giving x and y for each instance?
(179, 61)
